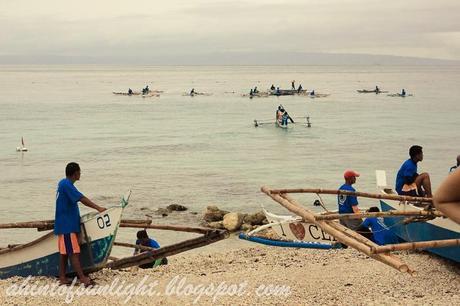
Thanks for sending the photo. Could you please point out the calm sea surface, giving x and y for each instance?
(204, 150)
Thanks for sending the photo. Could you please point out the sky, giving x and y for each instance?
(175, 29)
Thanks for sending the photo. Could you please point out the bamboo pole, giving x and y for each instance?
(134, 246)
(416, 245)
(31, 224)
(339, 235)
(352, 193)
(149, 256)
(379, 214)
(199, 230)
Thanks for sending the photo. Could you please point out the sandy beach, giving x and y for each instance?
(264, 276)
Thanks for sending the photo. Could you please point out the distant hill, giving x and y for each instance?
(230, 58)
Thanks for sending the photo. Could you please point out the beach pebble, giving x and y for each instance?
(176, 207)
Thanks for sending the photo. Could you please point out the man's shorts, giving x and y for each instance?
(68, 244)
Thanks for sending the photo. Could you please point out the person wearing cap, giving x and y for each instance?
(408, 181)
(349, 204)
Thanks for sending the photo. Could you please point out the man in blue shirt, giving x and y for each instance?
(349, 204)
(67, 222)
(380, 232)
(408, 181)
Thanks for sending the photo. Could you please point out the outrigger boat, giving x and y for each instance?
(371, 91)
(289, 92)
(328, 223)
(41, 257)
(277, 123)
(420, 229)
(293, 231)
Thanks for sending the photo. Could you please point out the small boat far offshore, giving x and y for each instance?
(422, 230)
(22, 148)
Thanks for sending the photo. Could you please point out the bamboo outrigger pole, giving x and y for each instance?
(416, 245)
(357, 194)
(341, 233)
(416, 213)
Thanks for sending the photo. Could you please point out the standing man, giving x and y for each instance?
(408, 181)
(349, 204)
(67, 223)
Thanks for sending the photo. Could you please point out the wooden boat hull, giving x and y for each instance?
(437, 229)
(293, 228)
(41, 257)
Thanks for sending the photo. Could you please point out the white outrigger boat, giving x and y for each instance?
(41, 257)
(293, 231)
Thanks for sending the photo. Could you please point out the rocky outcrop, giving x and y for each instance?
(213, 214)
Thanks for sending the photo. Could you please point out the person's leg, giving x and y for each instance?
(75, 260)
(62, 269)
(423, 180)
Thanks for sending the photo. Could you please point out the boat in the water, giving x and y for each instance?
(399, 95)
(22, 148)
(289, 92)
(420, 230)
(134, 93)
(41, 257)
(371, 91)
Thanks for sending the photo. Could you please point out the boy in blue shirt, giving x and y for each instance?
(408, 181)
(144, 240)
(67, 223)
(380, 232)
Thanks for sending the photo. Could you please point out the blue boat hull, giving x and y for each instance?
(49, 265)
(423, 231)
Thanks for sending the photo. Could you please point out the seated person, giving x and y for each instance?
(408, 181)
(130, 91)
(300, 88)
(272, 87)
(380, 232)
(144, 240)
(285, 117)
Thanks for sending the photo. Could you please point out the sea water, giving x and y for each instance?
(204, 150)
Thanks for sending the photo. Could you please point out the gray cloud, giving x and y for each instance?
(145, 29)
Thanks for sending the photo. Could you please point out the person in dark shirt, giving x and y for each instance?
(130, 91)
(144, 240)
(293, 85)
(272, 87)
(408, 181)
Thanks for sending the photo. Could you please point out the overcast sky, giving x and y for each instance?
(143, 28)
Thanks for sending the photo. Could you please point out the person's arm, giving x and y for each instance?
(355, 209)
(447, 197)
(87, 202)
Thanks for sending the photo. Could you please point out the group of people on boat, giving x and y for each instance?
(282, 116)
(408, 183)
